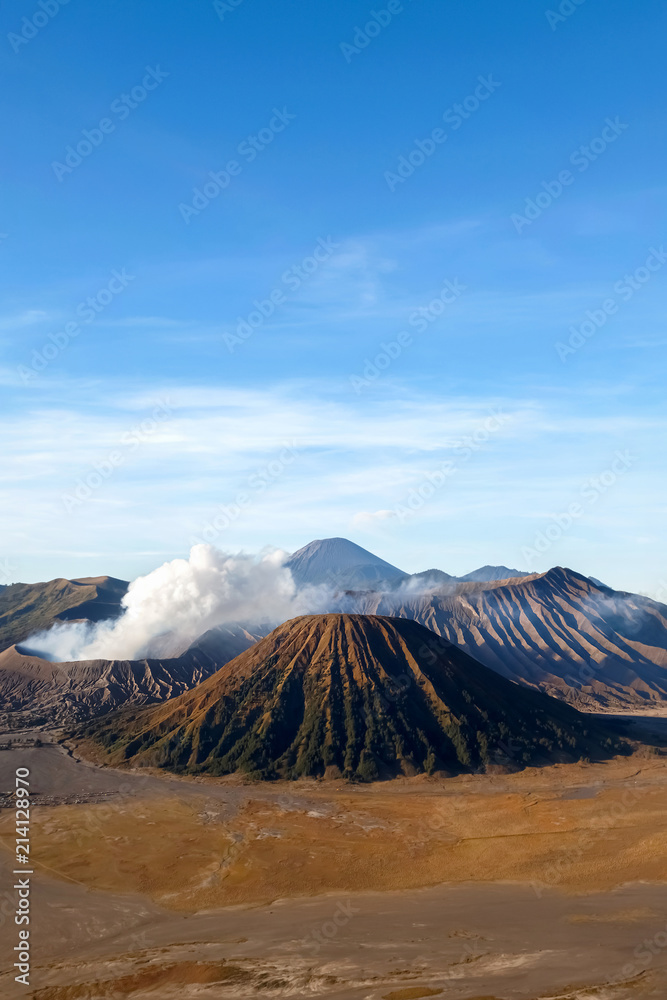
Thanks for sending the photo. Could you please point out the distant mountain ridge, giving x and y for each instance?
(557, 631)
(342, 563)
(26, 608)
(487, 573)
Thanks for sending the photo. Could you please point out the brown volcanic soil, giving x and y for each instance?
(127, 892)
(37, 691)
(558, 632)
(361, 695)
(42, 691)
(193, 853)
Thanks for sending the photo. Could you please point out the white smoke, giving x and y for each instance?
(167, 610)
(633, 616)
(425, 586)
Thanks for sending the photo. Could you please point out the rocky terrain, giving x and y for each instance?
(353, 695)
(558, 632)
(35, 691)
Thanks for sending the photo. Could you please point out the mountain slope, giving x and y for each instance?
(364, 695)
(35, 690)
(429, 578)
(340, 563)
(487, 573)
(26, 608)
(557, 632)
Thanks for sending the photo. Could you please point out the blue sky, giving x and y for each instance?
(536, 206)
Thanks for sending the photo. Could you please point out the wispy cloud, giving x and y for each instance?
(354, 464)
(20, 320)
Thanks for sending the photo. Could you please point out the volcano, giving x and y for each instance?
(361, 696)
(338, 562)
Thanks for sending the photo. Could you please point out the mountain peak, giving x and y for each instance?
(485, 574)
(361, 695)
(340, 563)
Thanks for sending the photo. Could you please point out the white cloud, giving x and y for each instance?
(29, 317)
(355, 460)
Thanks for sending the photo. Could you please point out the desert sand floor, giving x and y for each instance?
(548, 884)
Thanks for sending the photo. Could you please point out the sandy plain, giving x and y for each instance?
(547, 884)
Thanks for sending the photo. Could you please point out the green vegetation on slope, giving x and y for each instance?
(366, 696)
(26, 608)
